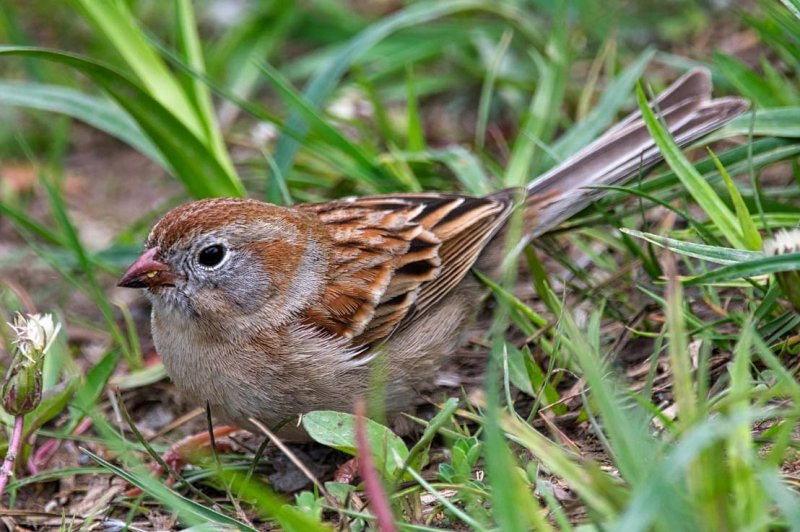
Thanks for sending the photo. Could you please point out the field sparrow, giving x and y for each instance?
(270, 312)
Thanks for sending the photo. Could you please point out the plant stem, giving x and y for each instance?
(14, 447)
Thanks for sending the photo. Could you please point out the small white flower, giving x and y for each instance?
(264, 133)
(34, 334)
(350, 104)
(784, 241)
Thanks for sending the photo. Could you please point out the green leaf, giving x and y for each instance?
(611, 101)
(526, 375)
(112, 19)
(781, 492)
(700, 190)
(188, 510)
(753, 156)
(518, 371)
(625, 425)
(512, 301)
(747, 497)
(26, 223)
(793, 6)
(680, 359)
(322, 84)
(332, 136)
(464, 164)
(746, 81)
(750, 268)
(337, 430)
(716, 254)
(416, 135)
(51, 475)
(466, 167)
(140, 377)
(778, 122)
(646, 504)
(89, 283)
(93, 385)
(539, 122)
(197, 167)
(513, 505)
(97, 112)
(291, 518)
(471, 522)
(487, 87)
(198, 91)
(749, 232)
(599, 490)
(418, 455)
(234, 57)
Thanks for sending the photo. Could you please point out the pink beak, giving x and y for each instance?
(147, 272)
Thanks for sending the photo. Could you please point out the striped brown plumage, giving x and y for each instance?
(398, 253)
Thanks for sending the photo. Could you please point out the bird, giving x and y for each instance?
(266, 312)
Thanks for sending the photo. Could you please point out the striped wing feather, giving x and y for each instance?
(397, 255)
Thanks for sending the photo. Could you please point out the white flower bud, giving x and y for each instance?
(786, 241)
(34, 333)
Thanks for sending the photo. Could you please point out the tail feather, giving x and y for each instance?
(627, 149)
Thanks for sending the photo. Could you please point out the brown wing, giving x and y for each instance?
(396, 253)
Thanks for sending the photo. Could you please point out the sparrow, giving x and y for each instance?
(269, 312)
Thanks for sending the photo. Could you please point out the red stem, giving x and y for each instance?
(14, 447)
(373, 485)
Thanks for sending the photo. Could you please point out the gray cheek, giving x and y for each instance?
(244, 286)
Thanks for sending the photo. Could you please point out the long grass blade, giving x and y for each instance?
(700, 190)
(198, 92)
(191, 161)
(114, 20)
(747, 269)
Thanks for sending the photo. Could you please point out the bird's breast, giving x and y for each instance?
(273, 376)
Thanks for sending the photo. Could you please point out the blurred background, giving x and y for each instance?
(112, 112)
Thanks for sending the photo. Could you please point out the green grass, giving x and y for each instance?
(649, 384)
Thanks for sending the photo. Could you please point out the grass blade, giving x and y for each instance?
(750, 268)
(539, 122)
(113, 20)
(746, 81)
(613, 98)
(326, 79)
(700, 190)
(330, 134)
(198, 92)
(716, 254)
(514, 507)
(599, 490)
(488, 86)
(416, 135)
(188, 510)
(678, 347)
(780, 122)
(191, 161)
(97, 112)
(749, 232)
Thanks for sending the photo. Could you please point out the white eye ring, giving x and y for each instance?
(212, 256)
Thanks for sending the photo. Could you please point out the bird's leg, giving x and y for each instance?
(194, 446)
(188, 450)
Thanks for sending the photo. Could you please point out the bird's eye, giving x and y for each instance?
(211, 256)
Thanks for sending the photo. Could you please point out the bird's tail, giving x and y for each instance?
(627, 149)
